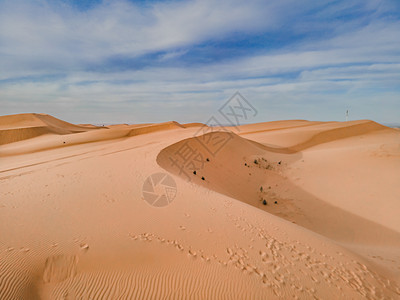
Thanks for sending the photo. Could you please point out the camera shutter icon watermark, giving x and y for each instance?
(159, 189)
(237, 109)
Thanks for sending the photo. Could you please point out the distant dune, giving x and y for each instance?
(57, 133)
(289, 209)
(155, 128)
(15, 128)
(188, 125)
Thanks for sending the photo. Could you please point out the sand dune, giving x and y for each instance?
(228, 171)
(251, 173)
(297, 136)
(188, 125)
(155, 128)
(54, 133)
(15, 128)
(275, 125)
(75, 223)
(341, 131)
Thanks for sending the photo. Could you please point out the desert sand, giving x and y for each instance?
(279, 210)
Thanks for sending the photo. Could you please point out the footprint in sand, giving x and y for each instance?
(192, 253)
(84, 247)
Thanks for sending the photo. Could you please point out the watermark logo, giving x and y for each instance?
(213, 143)
(212, 137)
(159, 189)
(234, 111)
(237, 109)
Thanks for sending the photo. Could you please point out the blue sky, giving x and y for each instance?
(152, 61)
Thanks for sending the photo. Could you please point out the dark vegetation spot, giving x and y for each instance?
(276, 202)
(63, 142)
(279, 162)
(245, 164)
(207, 159)
(261, 189)
(194, 172)
(256, 161)
(265, 202)
(202, 178)
(269, 187)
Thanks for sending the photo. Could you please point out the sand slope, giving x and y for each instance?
(74, 223)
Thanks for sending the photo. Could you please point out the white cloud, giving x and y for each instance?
(39, 35)
(41, 39)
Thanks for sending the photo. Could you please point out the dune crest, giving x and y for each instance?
(155, 128)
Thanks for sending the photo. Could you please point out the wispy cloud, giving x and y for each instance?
(180, 59)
